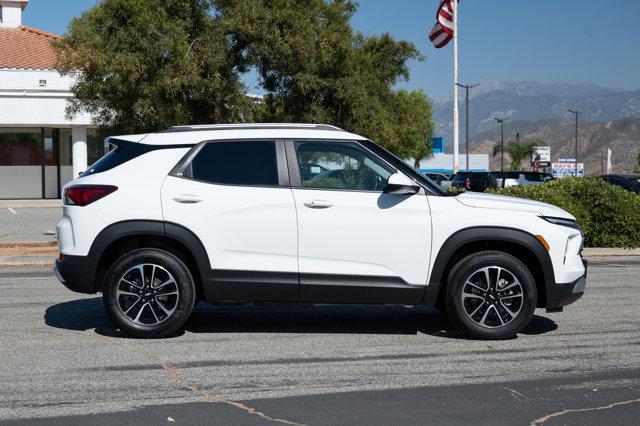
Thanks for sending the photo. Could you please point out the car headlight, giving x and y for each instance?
(570, 223)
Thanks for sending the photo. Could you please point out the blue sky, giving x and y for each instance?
(546, 41)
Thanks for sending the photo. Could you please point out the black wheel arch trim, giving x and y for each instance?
(132, 228)
(437, 278)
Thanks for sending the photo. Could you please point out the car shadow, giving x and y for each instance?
(89, 314)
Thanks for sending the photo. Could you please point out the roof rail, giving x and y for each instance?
(250, 126)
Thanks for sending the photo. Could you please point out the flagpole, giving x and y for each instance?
(455, 87)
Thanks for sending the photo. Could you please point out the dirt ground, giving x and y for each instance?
(29, 249)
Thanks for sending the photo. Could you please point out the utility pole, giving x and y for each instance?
(466, 116)
(501, 121)
(576, 112)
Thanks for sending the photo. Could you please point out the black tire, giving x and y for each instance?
(470, 274)
(123, 283)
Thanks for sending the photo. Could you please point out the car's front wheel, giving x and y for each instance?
(149, 293)
(491, 295)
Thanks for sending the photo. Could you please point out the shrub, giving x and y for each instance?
(609, 215)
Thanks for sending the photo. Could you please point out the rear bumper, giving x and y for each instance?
(564, 294)
(77, 273)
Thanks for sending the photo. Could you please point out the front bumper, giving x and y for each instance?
(560, 295)
(77, 273)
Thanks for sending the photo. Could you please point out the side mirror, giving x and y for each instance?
(399, 184)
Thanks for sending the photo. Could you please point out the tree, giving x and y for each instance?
(144, 65)
(517, 152)
(315, 68)
(414, 124)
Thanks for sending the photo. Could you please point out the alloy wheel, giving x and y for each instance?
(147, 294)
(492, 296)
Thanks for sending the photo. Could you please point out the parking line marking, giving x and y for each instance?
(12, 211)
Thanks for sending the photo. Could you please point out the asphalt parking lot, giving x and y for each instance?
(64, 362)
(28, 224)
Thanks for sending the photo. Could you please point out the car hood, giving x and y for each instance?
(491, 201)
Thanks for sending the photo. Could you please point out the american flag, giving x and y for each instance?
(442, 31)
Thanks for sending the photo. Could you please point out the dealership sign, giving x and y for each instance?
(541, 157)
(560, 170)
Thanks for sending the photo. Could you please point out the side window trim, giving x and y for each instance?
(183, 169)
(295, 179)
(294, 170)
(281, 158)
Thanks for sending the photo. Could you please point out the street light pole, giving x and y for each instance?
(501, 121)
(466, 116)
(576, 113)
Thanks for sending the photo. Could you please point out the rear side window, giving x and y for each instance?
(120, 153)
(236, 163)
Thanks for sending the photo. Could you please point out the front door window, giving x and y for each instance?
(340, 165)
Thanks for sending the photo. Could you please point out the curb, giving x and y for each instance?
(7, 262)
(31, 204)
(604, 251)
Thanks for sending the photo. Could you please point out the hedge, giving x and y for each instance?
(609, 215)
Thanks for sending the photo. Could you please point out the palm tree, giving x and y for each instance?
(517, 152)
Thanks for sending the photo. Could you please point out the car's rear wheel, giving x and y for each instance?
(149, 293)
(491, 295)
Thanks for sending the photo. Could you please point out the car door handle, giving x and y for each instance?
(318, 204)
(187, 199)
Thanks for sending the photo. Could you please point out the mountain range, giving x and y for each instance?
(621, 136)
(610, 119)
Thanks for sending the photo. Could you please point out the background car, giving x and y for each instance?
(630, 182)
(474, 181)
(507, 179)
(437, 177)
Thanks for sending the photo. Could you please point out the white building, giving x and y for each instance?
(443, 163)
(40, 148)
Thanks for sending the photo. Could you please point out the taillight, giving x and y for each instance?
(82, 195)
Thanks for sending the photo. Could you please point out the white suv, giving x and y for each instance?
(303, 214)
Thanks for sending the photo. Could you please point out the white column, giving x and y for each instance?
(79, 153)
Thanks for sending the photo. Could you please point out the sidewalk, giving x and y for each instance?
(37, 255)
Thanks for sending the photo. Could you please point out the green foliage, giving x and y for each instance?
(609, 215)
(143, 65)
(414, 124)
(517, 152)
(454, 190)
(315, 68)
(148, 64)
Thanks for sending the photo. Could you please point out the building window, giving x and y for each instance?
(66, 147)
(20, 147)
(95, 145)
(49, 151)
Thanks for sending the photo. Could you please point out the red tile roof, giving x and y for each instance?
(26, 47)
